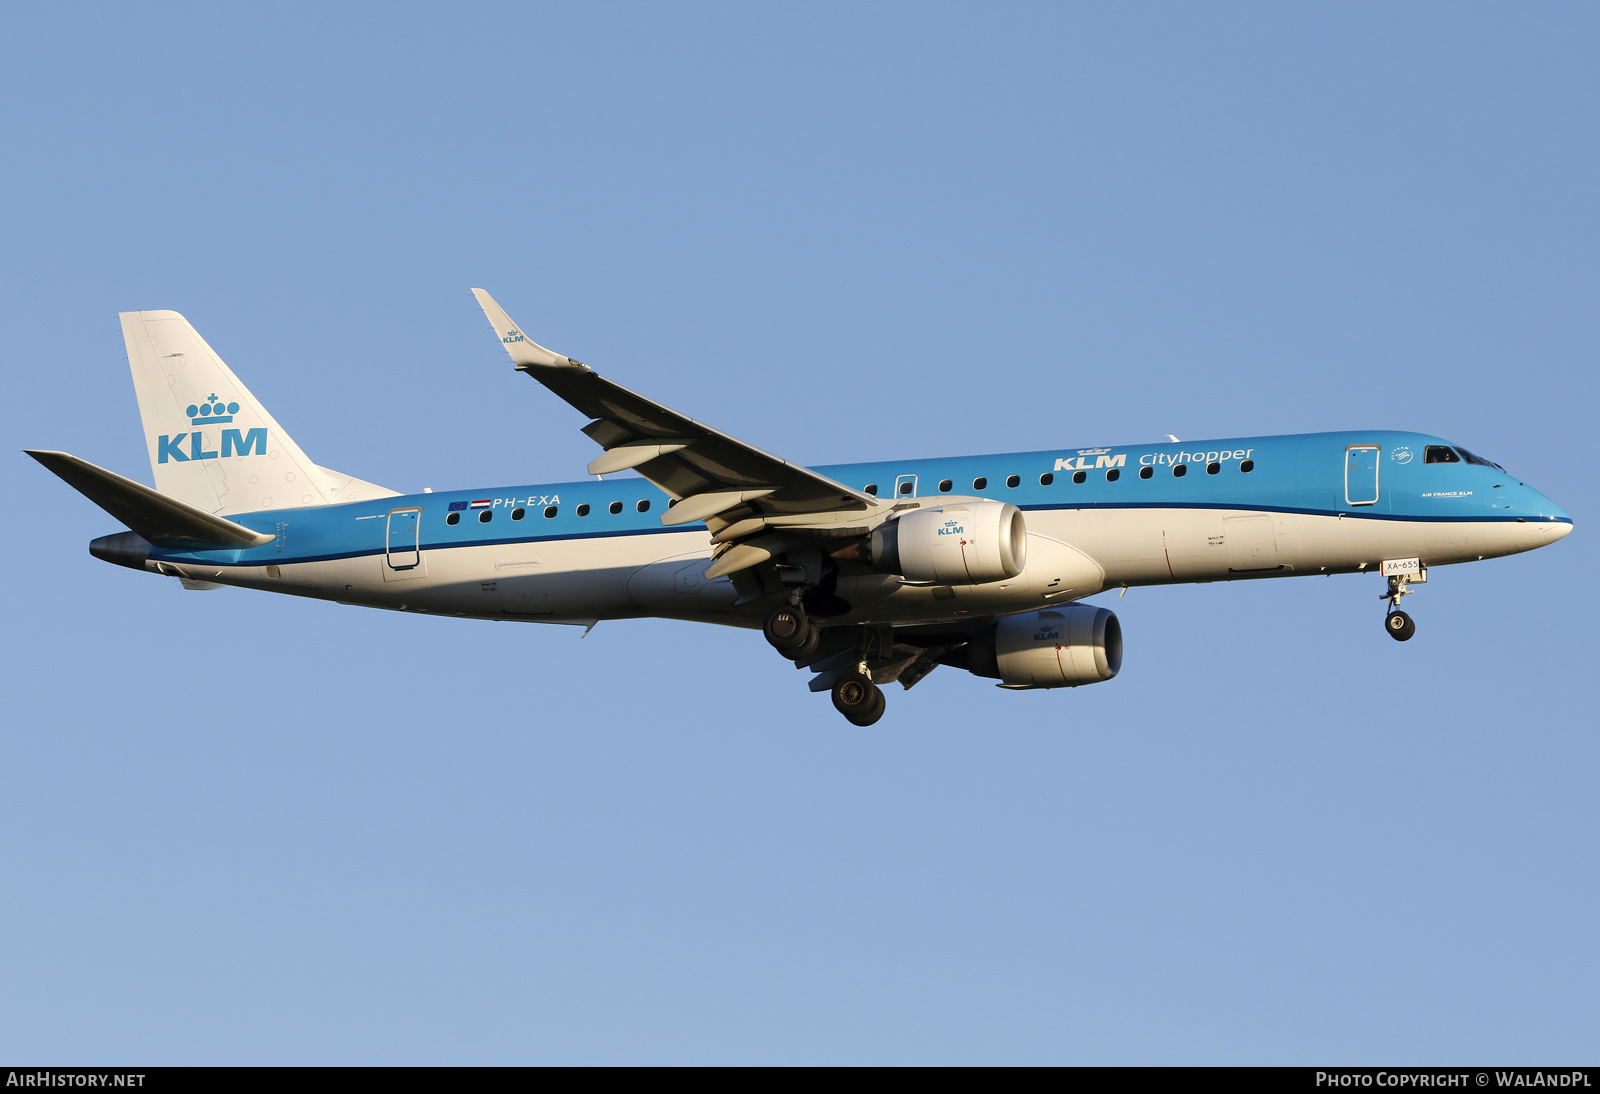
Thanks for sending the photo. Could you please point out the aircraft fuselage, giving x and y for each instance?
(1239, 509)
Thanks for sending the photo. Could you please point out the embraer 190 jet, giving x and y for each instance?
(864, 573)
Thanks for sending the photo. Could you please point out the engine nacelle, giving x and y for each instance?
(1063, 647)
(963, 543)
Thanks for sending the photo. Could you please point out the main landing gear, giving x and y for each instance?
(797, 638)
(858, 699)
(1399, 625)
(791, 633)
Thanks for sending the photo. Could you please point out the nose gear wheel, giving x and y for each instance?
(1397, 623)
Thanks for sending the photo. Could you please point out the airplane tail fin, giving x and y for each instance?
(212, 444)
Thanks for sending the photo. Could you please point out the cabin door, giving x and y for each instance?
(402, 550)
(1361, 474)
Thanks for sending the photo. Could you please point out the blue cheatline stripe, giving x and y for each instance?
(445, 546)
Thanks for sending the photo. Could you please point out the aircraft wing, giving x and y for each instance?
(738, 489)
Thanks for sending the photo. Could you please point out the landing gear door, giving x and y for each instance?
(1361, 474)
(402, 556)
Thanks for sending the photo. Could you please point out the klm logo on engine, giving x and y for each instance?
(952, 528)
(233, 442)
(1102, 458)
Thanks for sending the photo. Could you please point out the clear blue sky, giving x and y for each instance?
(247, 829)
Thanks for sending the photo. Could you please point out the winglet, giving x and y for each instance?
(523, 350)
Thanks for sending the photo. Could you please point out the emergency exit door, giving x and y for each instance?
(1361, 474)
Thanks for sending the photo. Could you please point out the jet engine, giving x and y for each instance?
(957, 544)
(1063, 647)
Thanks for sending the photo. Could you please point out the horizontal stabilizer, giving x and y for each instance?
(159, 518)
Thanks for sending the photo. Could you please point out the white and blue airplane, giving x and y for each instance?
(864, 573)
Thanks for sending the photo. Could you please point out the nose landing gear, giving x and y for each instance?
(1400, 625)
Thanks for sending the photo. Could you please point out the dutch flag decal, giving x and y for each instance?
(484, 504)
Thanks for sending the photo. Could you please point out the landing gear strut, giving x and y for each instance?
(858, 699)
(1399, 625)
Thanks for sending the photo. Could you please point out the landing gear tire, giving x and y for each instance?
(858, 699)
(1399, 625)
(790, 632)
(807, 648)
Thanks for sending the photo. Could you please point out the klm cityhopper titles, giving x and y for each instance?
(863, 573)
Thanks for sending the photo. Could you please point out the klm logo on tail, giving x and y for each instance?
(212, 412)
(235, 442)
(513, 335)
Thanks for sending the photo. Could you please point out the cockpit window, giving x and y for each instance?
(1479, 460)
(1438, 453)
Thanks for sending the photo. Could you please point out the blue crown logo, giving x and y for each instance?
(212, 411)
(512, 335)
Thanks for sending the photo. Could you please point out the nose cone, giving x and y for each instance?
(1556, 524)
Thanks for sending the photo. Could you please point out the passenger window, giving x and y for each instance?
(615, 507)
(1014, 481)
(1046, 479)
(583, 510)
(1213, 467)
(1113, 475)
(1179, 470)
(1146, 472)
(1438, 453)
(945, 485)
(549, 511)
(485, 516)
(980, 484)
(518, 514)
(1080, 476)
(1247, 466)
(872, 488)
(453, 518)
(905, 488)
(643, 506)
